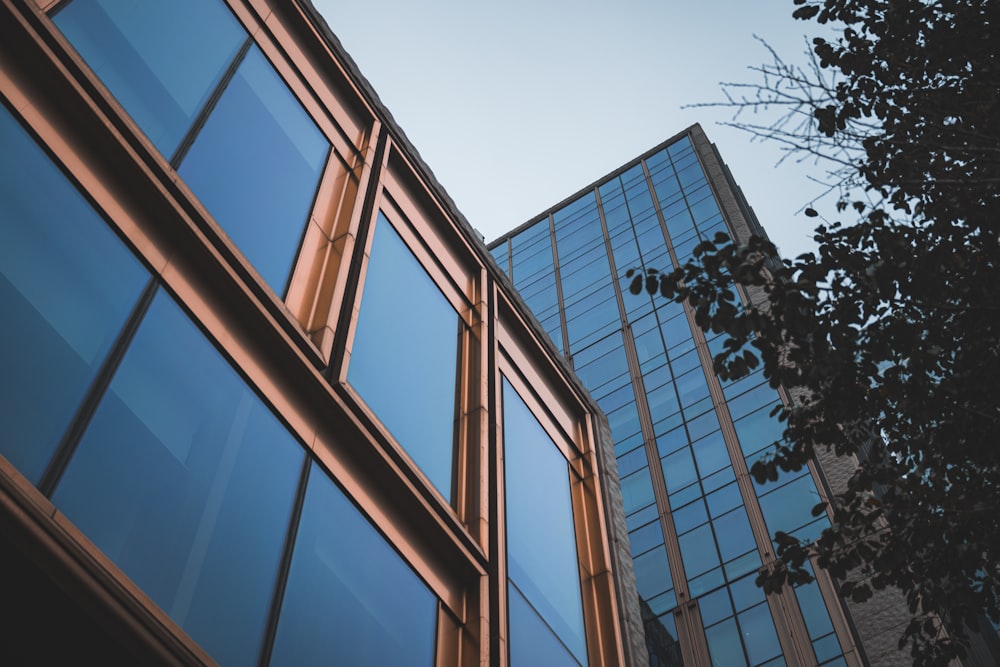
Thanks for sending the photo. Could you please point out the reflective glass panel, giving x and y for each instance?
(68, 283)
(161, 60)
(541, 541)
(405, 357)
(652, 573)
(759, 636)
(531, 641)
(185, 479)
(724, 644)
(350, 599)
(790, 506)
(256, 165)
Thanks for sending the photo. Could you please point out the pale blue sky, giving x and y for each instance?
(516, 105)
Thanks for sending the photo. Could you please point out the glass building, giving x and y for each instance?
(266, 397)
(700, 528)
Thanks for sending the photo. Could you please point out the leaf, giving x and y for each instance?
(635, 287)
(805, 13)
(811, 212)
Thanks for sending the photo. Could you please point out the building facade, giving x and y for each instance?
(266, 398)
(700, 528)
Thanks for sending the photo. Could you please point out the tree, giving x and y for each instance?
(890, 331)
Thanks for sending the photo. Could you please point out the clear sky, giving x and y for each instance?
(516, 105)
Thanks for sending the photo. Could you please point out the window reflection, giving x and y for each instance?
(186, 480)
(256, 165)
(256, 160)
(541, 542)
(532, 642)
(68, 305)
(161, 60)
(404, 363)
(350, 599)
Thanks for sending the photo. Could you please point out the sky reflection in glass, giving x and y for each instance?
(161, 60)
(69, 306)
(185, 479)
(404, 363)
(256, 165)
(350, 598)
(541, 542)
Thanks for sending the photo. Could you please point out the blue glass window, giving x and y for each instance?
(185, 479)
(405, 358)
(758, 430)
(637, 490)
(724, 644)
(715, 606)
(350, 599)
(698, 551)
(645, 538)
(67, 284)
(789, 507)
(678, 470)
(759, 636)
(652, 573)
(711, 454)
(532, 642)
(256, 165)
(256, 162)
(161, 60)
(733, 534)
(541, 540)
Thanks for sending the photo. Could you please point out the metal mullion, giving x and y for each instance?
(285, 564)
(98, 387)
(353, 286)
(559, 292)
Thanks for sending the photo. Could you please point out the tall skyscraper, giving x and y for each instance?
(265, 398)
(700, 528)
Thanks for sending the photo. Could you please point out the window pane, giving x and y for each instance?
(186, 480)
(724, 644)
(350, 598)
(161, 60)
(541, 545)
(733, 533)
(652, 573)
(637, 490)
(698, 551)
(256, 165)
(405, 359)
(531, 641)
(678, 470)
(790, 506)
(759, 636)
(68, 305)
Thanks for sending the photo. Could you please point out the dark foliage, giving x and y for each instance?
(890, 331)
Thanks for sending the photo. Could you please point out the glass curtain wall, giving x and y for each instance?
(126, 415)
(601, 234)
